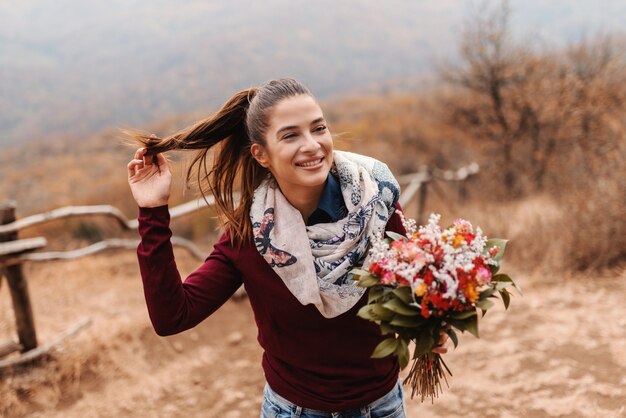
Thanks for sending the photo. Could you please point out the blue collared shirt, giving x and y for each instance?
(331, 206)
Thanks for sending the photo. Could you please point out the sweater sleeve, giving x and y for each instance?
(174, 306)
(395, 222)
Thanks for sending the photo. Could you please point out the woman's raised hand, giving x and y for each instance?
(149, 180)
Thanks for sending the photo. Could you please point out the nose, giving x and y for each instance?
(310, 144)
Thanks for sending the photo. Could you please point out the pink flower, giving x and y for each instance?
(388, 277)
(462, 225)
(484, 274)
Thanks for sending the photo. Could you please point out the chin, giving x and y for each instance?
(315, 179)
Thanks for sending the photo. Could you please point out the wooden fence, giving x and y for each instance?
(14, 252)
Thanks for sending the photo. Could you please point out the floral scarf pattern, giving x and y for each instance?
(314, 261)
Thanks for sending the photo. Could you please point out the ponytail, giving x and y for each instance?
(232, 161)
(234, 128)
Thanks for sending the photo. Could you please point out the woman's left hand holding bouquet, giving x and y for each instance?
(441, 348)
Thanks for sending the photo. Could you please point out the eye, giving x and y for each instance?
(289, 136)
(321, 128)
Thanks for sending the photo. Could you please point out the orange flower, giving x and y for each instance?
(470, 292)
(457, 240)
(420, 289)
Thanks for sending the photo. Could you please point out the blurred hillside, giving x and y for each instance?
(74, 67)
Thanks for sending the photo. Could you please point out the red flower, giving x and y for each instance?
(402, 281)
(469, 237)
(388, 277)
(428, 277)
(376, 269)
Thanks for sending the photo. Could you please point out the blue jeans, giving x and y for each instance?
(391, 405)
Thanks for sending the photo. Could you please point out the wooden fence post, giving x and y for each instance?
(18, 286)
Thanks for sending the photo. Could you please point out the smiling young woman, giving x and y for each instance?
(298, 151)
(305, 218)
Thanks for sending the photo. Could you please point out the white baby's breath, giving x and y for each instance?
(455, 255)
(409, 224)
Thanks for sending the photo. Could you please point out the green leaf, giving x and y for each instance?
(360, 273)
(502, 285)
(484, 304)
(395, 236)
(494, 269)
(366, 312)
(487, 292)
(375, 293)
(458, 323)
(375, 312)
(385, 348)
(385, 328)
(501, 243)
(506, 298)
(404, 294)
(368, 281)
(407, 321)
(400, 307)
(472, 325)
(423, 345)
(453, 336)
(506, 278)
(501, 278)
(402, 351)
(464, 315)
(379, 312)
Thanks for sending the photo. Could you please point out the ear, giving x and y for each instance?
(260, 155)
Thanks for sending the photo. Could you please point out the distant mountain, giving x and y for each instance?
(73, 67)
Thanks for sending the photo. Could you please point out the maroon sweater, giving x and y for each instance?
(313, 361)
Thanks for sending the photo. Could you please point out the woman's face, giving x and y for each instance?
(298, 146)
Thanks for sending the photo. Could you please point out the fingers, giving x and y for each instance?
(134, 166)
(138, 162)
(440, 350)
(139, 153)
(160, 159)
(443, 339)
(147, 160)
(141, 161)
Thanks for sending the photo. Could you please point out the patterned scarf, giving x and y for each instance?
(314, 261)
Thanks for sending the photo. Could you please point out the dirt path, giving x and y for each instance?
(558, 352)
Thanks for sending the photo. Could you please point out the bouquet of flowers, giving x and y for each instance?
(432, 280)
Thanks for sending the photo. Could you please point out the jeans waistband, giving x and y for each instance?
(275, 397)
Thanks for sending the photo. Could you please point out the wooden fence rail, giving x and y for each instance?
(14, 252)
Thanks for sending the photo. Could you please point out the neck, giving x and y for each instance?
(304, 200)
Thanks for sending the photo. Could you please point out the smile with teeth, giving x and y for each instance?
(310, 163)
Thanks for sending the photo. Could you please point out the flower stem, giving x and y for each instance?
(425, 376)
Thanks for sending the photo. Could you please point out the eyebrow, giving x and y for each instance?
(286, 128)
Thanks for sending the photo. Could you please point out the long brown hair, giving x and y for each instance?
(242, 121)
